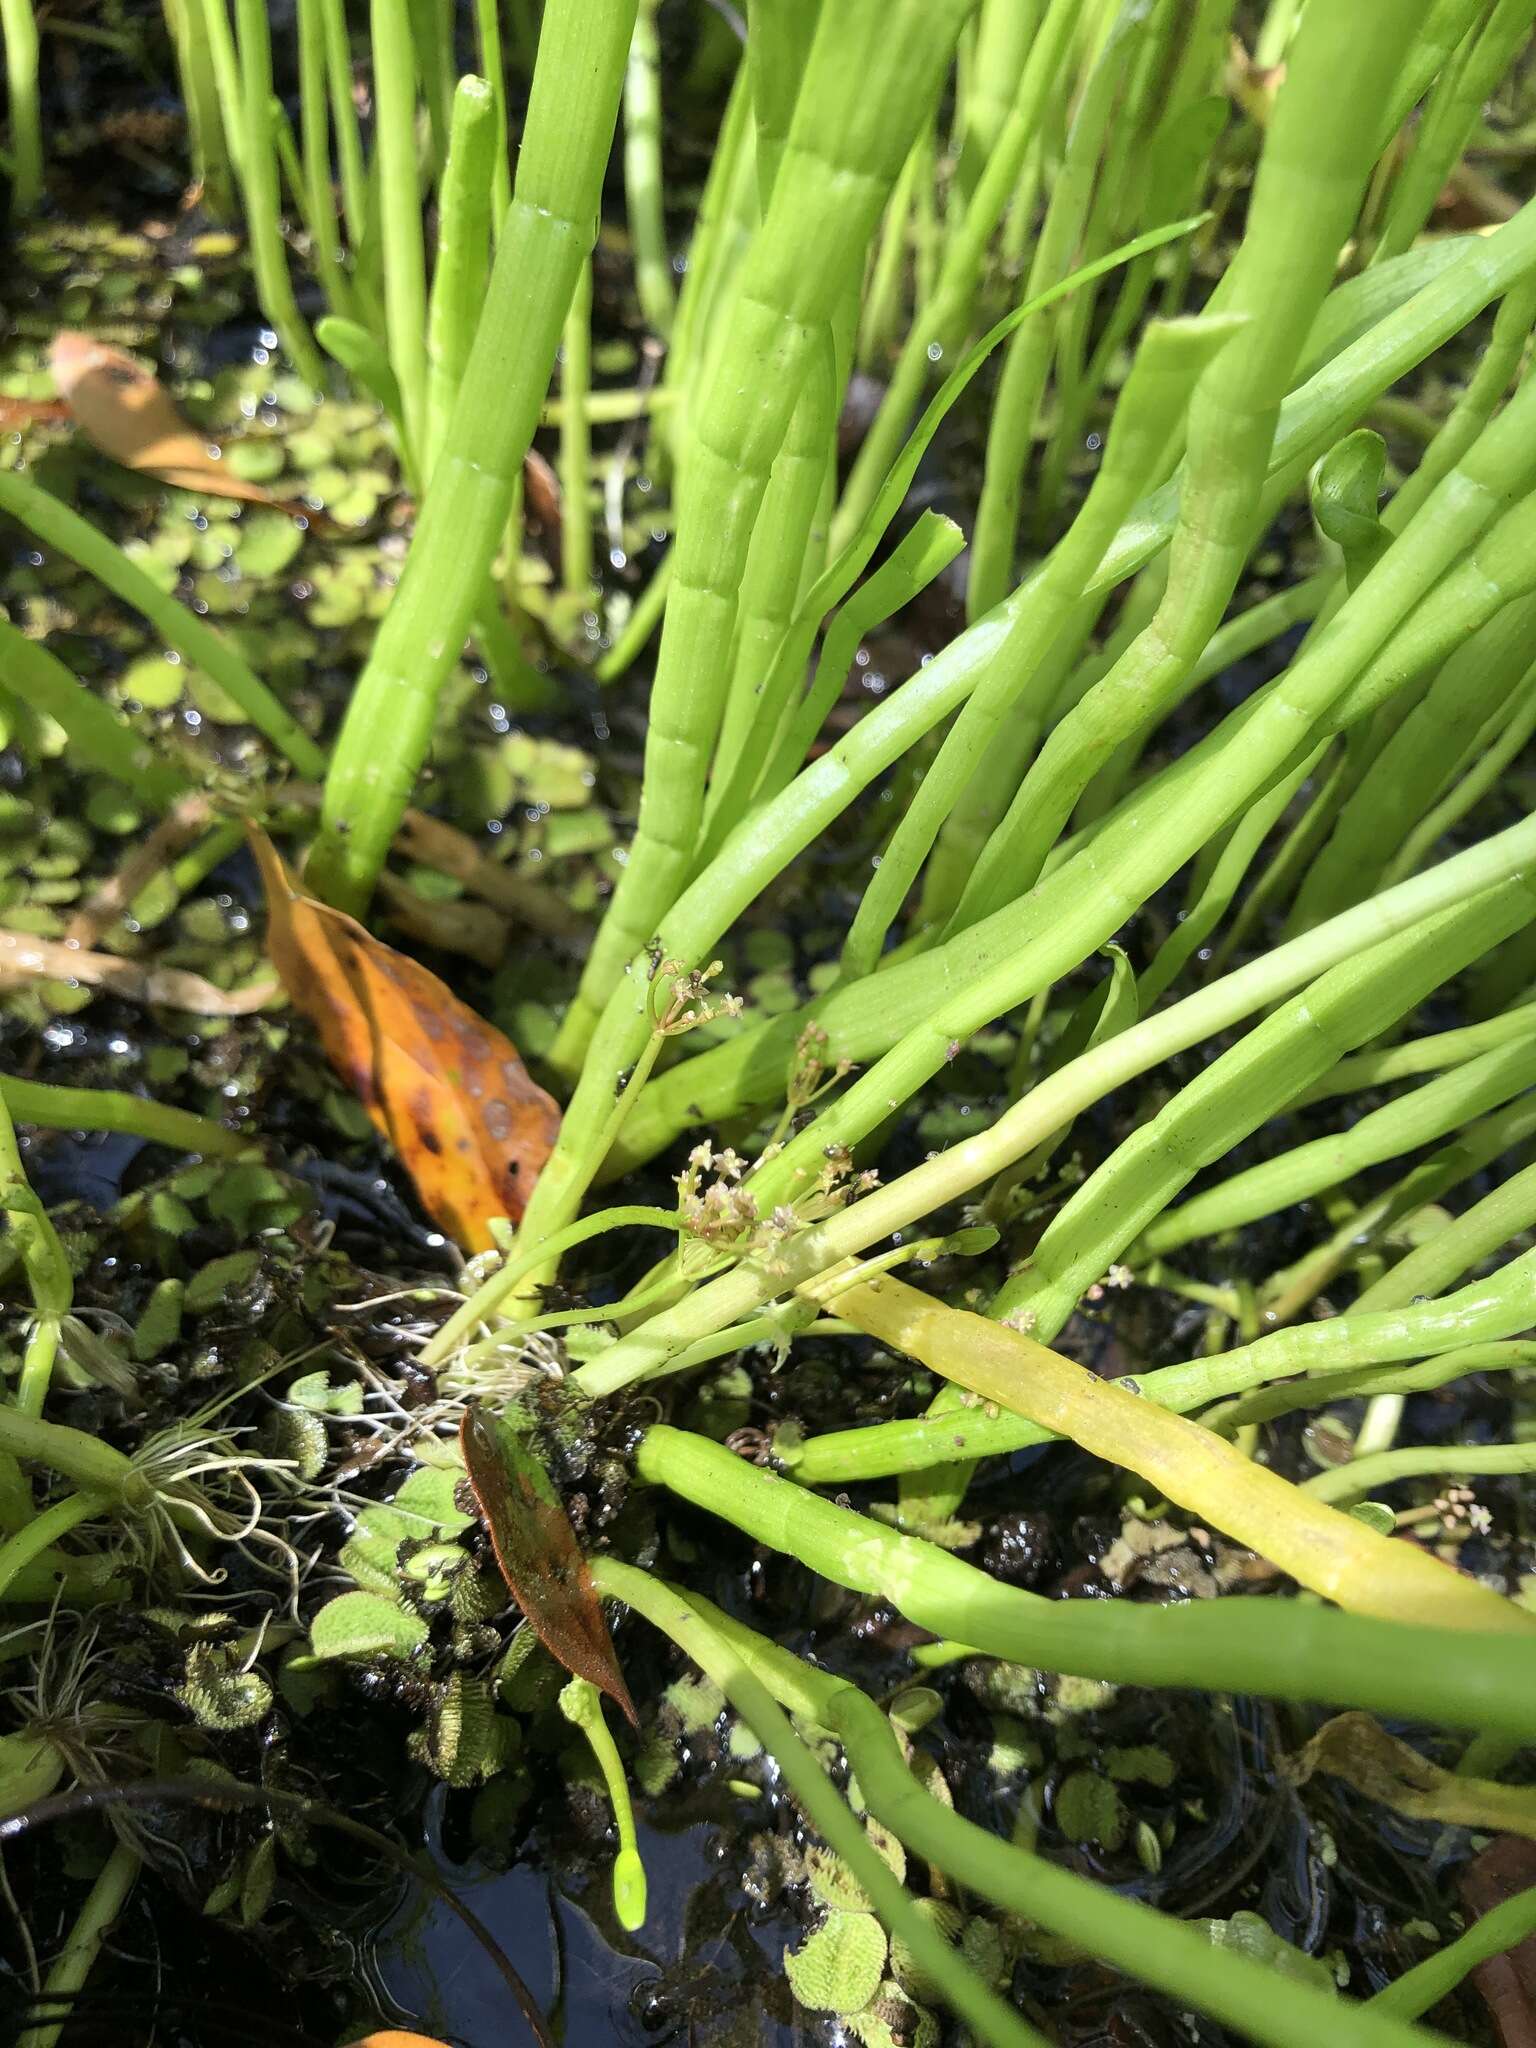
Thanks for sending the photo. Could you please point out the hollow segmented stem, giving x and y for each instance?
(545, 239)
(1284, 1651)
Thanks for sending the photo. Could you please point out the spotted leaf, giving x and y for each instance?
(446, 1088)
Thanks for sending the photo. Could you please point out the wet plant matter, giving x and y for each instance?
(767, 927)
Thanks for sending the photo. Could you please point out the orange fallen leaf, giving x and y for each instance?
(393, 2038)
(446, 1088)
(128, 414)
(537, 1551)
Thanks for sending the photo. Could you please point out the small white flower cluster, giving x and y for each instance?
(717, 1209)
(689, 1001)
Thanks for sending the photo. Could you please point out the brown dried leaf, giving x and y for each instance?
(25, 957)
(1359, 1750)
(538, 1553)
(1507, 1982)
(446, 1088)
(122, 408)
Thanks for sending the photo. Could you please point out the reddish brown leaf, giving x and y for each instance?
(28, 412)
(1507, 1982)
(446, 1088)
(538, 1553)
(124, 410)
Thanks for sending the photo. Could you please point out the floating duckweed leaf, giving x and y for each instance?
(536, 1548)
(1251, 1935)
(1143, 1763)
(365, 1625)
(1089, 1809)
(983, 1948)
(213, 1284)
(315, 1392)
(297, 1437)
(218, 1693)
(946, 1919)
(1376, 1515)
(461, 1742)
(446, 1088)
(258, 1881)
(429, 1497)
(833, 1883)
(839, 1967)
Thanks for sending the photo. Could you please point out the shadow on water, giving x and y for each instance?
(705, 1969)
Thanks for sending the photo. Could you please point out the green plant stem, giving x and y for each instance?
(1082, 1081)
(1419, 1056)
(317, 192)
(872, 75)
(918, 557)
(581, 1703)
(720, 1658)
(576, 445)
(643, 191)
(105, 1901)
(783, 558)
(1229, 1391)
(1280, 1650)
(44, 1530)
(546, 238)
(53, 1108)
(719, 234)
(432, 36)
(1330, 1554)
(463, 255)
(1123, 1932)
(18, 22)
(493, 71)
(644, 618)
(263, 206)
(489, 1296)
(1157, 391)
(1026, 366)
(1261, 2003)
(1475, 403)
(1220, 882)
(1491, 755)
(1310, 419)
(45, 1262)
(220, 41)
(943, 316)
(1441, 1106)
(344, 124)
(1268, 1403)
(1453, 109)
(99, 736)
(1413, 765)
(212, 167)
(95, 1467)
(1310, 178)
(58, 527)
(880, 316)
(1368, 1475)
(1288, 1292)
(1491, 1934)
(405, 276)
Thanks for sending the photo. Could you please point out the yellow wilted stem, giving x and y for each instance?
(1328, 1552)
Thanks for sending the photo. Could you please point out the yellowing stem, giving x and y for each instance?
(1328, 1552)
